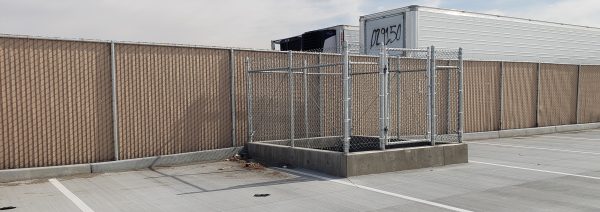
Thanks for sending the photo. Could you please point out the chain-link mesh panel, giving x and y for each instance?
(270, 99)
(331, 86)
(589, 95)
(269, 95)
(242, 133)
(446, 95)
(365, 103)
(557, 95)
(172, 99)
(409, 99)
(297, 105)
(55, 103)
(324, 104)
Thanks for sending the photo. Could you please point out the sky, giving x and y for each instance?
(241, 23)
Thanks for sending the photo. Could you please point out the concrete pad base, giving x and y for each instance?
(359, 163)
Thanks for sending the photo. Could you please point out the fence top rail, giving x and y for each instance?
(272, 72)
(406, 71)
(269, 70)
(287, 72)
(294, 68)
(364, 63)
(447, 67)
(406, 50)
(365, 73)
(408, 57)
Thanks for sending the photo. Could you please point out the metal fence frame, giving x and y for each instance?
(383, 72)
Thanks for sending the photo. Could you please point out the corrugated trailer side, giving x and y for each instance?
(489, 37)
(484, 36)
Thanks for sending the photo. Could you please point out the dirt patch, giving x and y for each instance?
(245, 163)
(254, 166)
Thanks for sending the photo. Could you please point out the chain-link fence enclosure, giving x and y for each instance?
(355, 103)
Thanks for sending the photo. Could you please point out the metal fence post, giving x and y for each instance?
(115, 112)
(433, 96)
(321, 117)
(249, 100)
(346, 96)
(461, 114)
(429, 93)
(292, 90)
(233, 103)
(398, 101)
(388, 103)
(305, 89)
(383, 95)
(500, 122)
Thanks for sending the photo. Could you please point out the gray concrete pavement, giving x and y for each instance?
(34, 196)
(555, 172)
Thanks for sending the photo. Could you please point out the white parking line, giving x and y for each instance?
(377, 190)
(540, 148)
(536, 170)
(574, 138)
(80, 204)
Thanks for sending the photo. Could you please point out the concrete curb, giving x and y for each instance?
(481, 135)
(123, 165)
(165, 160)
(192, 157)
(528, 131)
(11, 175)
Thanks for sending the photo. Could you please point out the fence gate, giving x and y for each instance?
(424, 90)
(408, 81)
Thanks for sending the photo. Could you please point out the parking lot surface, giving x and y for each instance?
(554, 172)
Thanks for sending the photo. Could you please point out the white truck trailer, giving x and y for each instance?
(483, 36)
(328, 39)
